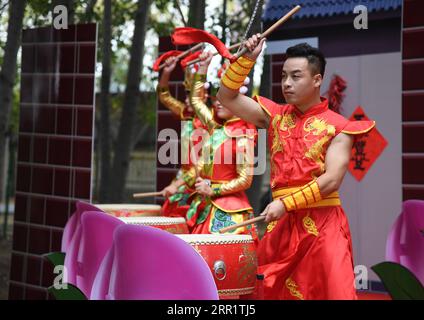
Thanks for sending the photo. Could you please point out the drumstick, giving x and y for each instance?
(195, 161)
(183, 54)
(242, 224)
(147, 194)
(263, 35)
(234, 46)
(196, 170)
(272, 28)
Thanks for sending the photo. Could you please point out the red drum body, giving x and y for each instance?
(131, 210)
(231, 258)
(172, 225)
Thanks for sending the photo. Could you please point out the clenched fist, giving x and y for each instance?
(254, 44)
(203, 188)
(274, 211)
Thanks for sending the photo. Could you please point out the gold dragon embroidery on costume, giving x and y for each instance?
(293, 288)
(280, 123)
(316, 127)
(310, 225)
(271, 226)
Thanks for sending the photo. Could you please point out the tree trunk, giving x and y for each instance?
(265, 88)
(123, 144)
(255, 28)
(196, 14)
(7, 76)
(141, 131)
(224, 26)
(224, 22)
(255, 192)
(104, 136)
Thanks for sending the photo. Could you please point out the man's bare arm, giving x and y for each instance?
(336, 164)
(244, 107)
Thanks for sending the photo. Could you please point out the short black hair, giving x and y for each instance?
(313, 55)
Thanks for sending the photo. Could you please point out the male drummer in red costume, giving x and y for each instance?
(306, 252)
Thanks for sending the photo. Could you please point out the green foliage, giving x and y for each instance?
(162, 28)
(37, 13)
(147, 108)
(56, 258)
(14, 116)
(238, 15)
(80, 10)
(70, 293)
(399, 281)
(163, 19)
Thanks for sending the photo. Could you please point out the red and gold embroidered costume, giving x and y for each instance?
(176, 205)
(307, 254)
(227, 161)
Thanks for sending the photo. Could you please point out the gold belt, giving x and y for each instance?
(332, 199)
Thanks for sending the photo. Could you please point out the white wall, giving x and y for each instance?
(373, 82)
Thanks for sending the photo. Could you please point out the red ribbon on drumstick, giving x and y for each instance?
(263, 35)
(181, 54)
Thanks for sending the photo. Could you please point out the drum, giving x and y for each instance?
(131, 210)
(172, 225)
(231, 258)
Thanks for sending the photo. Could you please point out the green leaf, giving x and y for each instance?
(401, 283)
(70, 293)
(56, 258)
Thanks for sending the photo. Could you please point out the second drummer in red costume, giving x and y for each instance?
(220, 200)
(179, 190)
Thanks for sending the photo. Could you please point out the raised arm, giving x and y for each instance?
(242, 106)
(203, 112)
(165, 97)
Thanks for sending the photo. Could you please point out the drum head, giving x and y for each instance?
(131, 210)
(127, 206)
(216, 238)
(152, 221)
